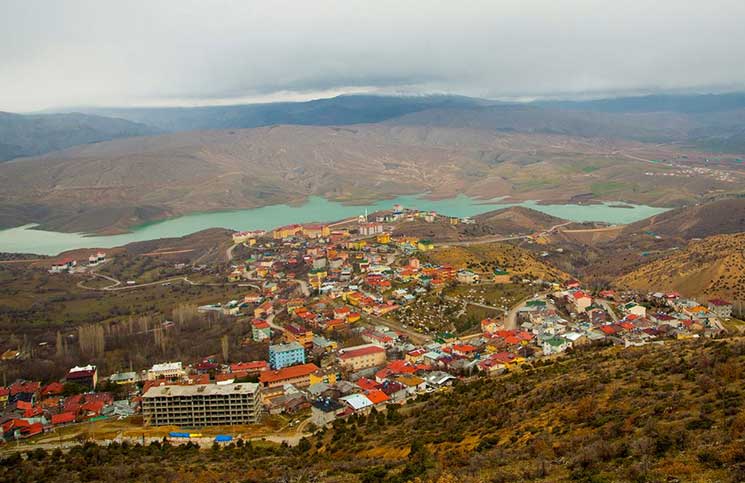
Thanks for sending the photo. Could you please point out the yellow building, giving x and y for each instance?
(384, 238)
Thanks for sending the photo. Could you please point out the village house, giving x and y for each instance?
(720, 308)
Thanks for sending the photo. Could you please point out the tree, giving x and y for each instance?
(225, 346)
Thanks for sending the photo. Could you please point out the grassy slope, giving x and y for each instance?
(657, 413)
(711, 267)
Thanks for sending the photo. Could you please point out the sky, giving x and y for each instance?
(57, 54)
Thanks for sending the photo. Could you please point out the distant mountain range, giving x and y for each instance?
(713, 122)
(341, 110)
(32, 135)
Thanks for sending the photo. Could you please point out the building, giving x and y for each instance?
(260, 330)
(272, 382)
(85, 376)
(371, 229)
(299, 334)
(285, 355)
(581, 301)
(467, 277)
(720, 308)
(362, 357)
(63, 265)
(166, 370)
(124, 378)
(202, 405)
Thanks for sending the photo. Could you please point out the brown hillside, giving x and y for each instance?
(488, 257)
(113, 185)
(711, 267)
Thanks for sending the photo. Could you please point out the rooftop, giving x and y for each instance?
(202, 390)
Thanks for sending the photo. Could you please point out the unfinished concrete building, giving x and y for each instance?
(202, 405)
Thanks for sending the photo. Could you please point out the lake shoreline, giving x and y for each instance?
(31, 239)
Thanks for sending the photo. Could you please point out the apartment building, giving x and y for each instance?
(202, 405)
(285, 355)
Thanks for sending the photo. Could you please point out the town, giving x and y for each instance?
(354, 318)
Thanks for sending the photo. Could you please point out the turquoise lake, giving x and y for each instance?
(25, 239)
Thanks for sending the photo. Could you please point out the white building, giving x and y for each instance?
(166, 370)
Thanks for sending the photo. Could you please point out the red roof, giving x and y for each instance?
(719, 302)
(249, 366)
(94, 407)
(362, 351)
(63, 418)
(579, 294)
(608, 329)
(367, 384)
(53, 388)
(24, 387)
(287, 373)
(261, 324)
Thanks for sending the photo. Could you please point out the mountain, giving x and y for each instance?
(657, 413)
(110, 186)
(341, 110)
(32, 135)
(689, 104)
(712, 267)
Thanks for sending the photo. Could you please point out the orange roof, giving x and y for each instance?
(376, 396)
(288, 373)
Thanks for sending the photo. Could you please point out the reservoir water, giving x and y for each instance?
(26, 239)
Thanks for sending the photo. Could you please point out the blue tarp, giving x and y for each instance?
(223, 438)
(176, 434)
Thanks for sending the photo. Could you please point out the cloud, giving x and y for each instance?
(150, 52)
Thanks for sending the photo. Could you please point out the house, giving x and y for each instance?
(245, 369)
(85, 376)
(63, 265)
(124, 378)
(260, 330)
(362, 356)
(635, 309)
(358, 402)
(490, 326)
(467, 277)
(581, 301)
(720, 308)
(298, 334)
(285, 355)
(63, 418)
(555, 345)
(166, 370)
(324, 411)
(299, 376)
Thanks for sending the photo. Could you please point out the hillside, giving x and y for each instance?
(485, 258)
(113, 185)
(653, 414)
(32, 135)
(504, 221)
(712, 267)
(699, 221)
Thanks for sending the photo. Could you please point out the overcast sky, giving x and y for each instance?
(56, 54)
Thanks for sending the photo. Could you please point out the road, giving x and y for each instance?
(500, 238)
(606, 305)
(229, 251)
(416, 337)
